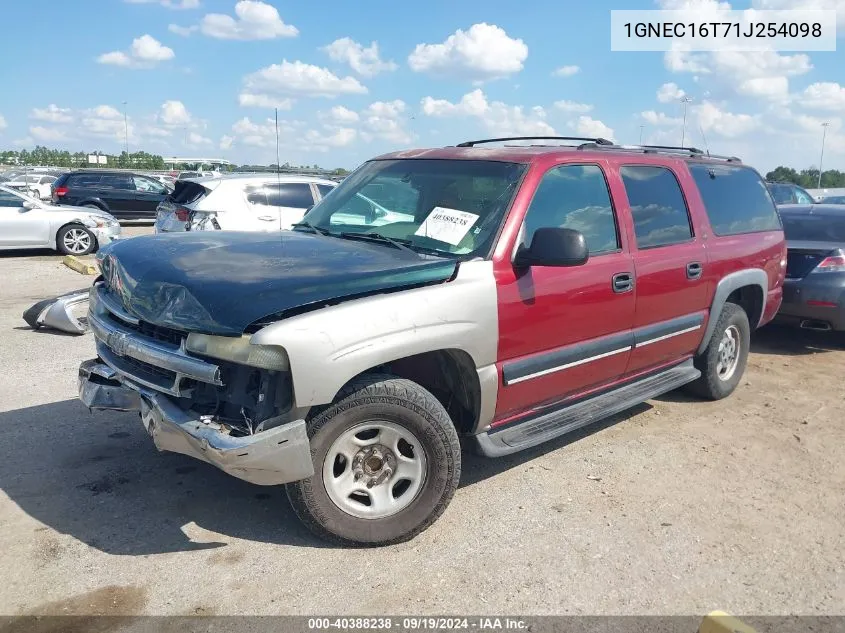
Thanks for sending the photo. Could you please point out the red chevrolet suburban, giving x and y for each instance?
(507, 294)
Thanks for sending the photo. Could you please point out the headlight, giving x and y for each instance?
(100, 223)
(238, 350)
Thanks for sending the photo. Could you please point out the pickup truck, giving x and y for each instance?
(523, 291)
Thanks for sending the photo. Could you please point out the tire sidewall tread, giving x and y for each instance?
(60, 246)
(709, 385)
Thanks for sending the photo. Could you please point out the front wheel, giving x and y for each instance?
(723, 362)
(386, 463)
(75, 240)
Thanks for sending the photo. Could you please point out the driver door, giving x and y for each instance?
(21, 227)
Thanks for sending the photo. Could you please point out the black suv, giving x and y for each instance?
(123, 194)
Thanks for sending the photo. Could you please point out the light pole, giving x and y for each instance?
(126, 131)
(821, 158)
(686, 101)
(641, 134)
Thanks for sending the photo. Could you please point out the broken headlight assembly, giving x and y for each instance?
(238, 350)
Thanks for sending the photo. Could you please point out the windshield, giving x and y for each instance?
(814, 228)
(23, 196)
(453, 207)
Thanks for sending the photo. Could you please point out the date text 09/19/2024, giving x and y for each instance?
(417, 623)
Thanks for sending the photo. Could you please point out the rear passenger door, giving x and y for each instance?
(261, 214)
(291, 199)
(118, 192)
(669, 266)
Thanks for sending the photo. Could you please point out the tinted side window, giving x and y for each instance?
(83, 180)
(297, 195)
(256, 195)
(657, 206)
(9, 200)
(802, 196)
(324, 190)
(117, 181)
(574, 197)
(735, 198)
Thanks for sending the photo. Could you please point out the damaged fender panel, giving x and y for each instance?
(329, 347)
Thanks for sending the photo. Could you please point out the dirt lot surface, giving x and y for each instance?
(677, 507)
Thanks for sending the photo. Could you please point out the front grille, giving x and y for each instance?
(158, 333)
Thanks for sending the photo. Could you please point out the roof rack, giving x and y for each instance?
(595, 141)
(661, 149)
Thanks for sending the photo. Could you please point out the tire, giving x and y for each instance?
(396, 409)
(75, 239)
(717, 379)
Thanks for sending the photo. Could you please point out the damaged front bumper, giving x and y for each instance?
(59, 313)
(276, 456)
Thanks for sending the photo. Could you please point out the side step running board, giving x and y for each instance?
(521, 435)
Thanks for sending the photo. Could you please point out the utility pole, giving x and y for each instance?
(686, 101)
(126, 131)
(821, 158)
(641, 134)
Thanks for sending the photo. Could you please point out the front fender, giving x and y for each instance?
(330, 346)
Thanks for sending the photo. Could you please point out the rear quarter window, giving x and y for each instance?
(83, 180)
(736, 199)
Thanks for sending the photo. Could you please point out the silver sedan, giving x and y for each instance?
(29, 223)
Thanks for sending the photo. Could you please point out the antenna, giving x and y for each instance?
(706, 146)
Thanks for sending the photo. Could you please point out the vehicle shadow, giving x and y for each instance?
(30, 252)
(476, 468)
(792, 341)
(99, 478)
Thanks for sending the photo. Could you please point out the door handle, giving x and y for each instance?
(267, 218)
(623, 282)
(694, 270)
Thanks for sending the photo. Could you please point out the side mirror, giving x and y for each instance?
(553, 246)
(27, 205)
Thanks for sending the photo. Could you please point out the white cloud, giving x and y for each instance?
(170, 4)
(773, 88)
(588, 126)
(484, 51)
(254, 20)
(573, 106)
(660, 118)
(52, 113)
(364, 61)
(324, 140)
(566, 71)
(145, 52)
(295, 79)
(197, 139)
(3, 124)
(47, 134)
(174, 113)
(711, 118)
(340, 114)
(497, 117)
(184, 31)
(385, 120)
(824, 95)
(250, 100)
(226, 141)
(291, 135)
(669, 92)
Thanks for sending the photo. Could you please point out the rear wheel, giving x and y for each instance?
(723, 362)
(386, 464)
(75, 240)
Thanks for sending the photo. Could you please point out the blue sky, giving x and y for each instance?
(201, 77)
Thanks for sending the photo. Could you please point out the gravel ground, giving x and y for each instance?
(677, 507)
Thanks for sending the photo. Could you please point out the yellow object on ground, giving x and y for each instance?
(721, 622)
(85, 268)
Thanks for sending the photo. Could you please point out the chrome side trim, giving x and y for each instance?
(582, 361)
(169, 357)
(665, 336)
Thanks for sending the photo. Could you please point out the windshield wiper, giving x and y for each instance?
(399, 243)
(316, 229)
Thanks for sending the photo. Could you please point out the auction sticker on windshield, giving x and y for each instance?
(447, 225)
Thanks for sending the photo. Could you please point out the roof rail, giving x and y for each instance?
(597, 141)
(662, 149)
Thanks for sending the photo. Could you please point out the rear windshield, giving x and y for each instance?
(814, 228)
(736, 199)
(186, 192)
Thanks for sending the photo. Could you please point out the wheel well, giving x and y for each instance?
(450, 376)
(750, 299)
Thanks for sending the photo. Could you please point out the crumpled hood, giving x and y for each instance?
(221, 282)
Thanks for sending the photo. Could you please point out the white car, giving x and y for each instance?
(36, 185)
(26, 222)
(248, 202)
